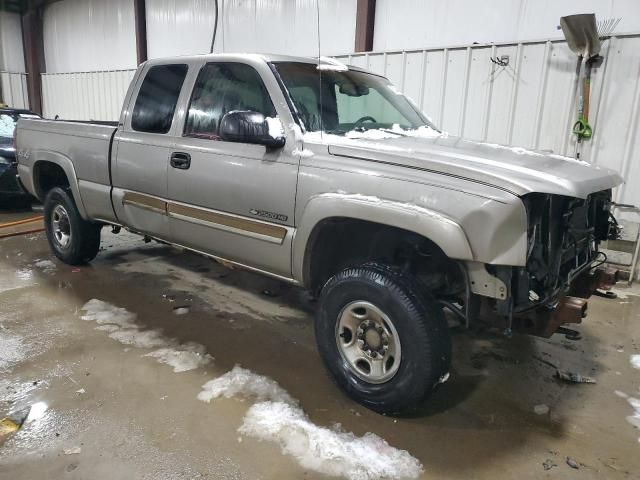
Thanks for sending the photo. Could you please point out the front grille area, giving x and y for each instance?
(563, 238)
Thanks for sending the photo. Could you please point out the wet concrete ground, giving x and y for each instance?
(132, 417)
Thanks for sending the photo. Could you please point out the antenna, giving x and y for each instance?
(319, 72)
(215, 28)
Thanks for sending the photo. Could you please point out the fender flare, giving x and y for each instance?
(66, 164)
(440, 229)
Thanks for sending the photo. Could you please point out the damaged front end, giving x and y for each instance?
(564, 266)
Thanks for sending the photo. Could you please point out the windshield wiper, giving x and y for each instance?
(395, 132)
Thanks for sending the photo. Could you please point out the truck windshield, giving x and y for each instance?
(347, 100)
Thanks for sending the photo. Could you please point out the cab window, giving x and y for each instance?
(157, 98)
(222, 88)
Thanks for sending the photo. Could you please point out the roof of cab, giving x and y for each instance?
(265, 57)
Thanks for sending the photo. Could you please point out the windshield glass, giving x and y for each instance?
(7, 125)
(347, 101)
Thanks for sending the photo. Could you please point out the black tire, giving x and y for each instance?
(84, 237)
(418, 321)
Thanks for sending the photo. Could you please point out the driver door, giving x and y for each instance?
(232, 200)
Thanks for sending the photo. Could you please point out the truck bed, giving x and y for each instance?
(82, 148)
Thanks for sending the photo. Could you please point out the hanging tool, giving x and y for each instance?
(582, 128)
(581, 33)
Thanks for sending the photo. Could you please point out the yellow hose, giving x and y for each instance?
(20, 222)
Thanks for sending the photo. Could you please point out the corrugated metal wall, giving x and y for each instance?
(11, 51)
(88, 35)
(529, 103)
(85, 96)
(13, 87)
(179, 27)
(403, 24)
(271, 26)
(13, 80)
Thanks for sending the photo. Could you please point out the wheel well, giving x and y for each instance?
(48, 175)
(339, 243)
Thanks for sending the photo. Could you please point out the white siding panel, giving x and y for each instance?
(180, 27)
(405, 24)
(85, 96)
(434, 84)
(502, 84)
(89, 35)
(532, 102)
(14, 89)
(11, 51)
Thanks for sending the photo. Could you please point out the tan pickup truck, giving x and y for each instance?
(326, 176)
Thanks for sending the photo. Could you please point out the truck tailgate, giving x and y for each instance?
(82, 149)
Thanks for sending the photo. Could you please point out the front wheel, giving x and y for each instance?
(385, 343)
(72, 239)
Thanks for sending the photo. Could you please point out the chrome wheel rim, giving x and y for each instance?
(368, 342)
(60, 226)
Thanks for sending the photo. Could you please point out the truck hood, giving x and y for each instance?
(516, 170)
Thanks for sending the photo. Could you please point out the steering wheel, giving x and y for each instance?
(366, 118)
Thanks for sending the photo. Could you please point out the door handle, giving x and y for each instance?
(180, 160)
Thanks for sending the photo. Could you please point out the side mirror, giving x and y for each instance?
(252, 127)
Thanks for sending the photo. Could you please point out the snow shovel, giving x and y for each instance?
(581, 33)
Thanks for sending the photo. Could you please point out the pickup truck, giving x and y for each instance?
(326, 176)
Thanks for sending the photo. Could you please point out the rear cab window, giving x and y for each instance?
(157, 98)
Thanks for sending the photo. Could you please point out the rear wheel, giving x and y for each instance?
(72, 239)
(385, 342)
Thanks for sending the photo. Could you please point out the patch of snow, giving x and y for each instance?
(635, 361)
(635, 418)
(105, 313)
(141, 338)
(72, 450)
(277, 417)
(328, 451)
(46, 265)
(425, 131)
(240, 382)
(541, 409)
(107, 328)
(302, 153)
(120, 323)
(332, 139)
(371, 134)
(331, 64)
(188, 356)
(275, 127)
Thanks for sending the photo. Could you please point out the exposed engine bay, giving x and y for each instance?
(563, 268)
(563, 259)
